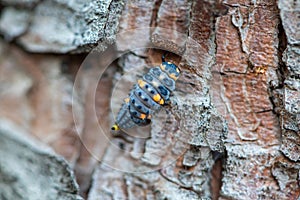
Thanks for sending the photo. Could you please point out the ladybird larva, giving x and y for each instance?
(147, 96)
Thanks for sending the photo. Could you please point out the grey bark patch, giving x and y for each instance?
(241, 175)
(288, 98)
(24, 3)
(291, 57)
(290, 144)
(14, 22)
(29, 170)
(290, 13)
(285, 173)
(62, 26)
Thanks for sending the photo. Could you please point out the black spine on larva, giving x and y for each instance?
(141, 103)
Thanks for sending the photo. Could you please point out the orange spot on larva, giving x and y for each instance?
(142, 116)
(161, 102)
(156, 97)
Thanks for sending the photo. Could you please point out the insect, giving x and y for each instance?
(147, 96)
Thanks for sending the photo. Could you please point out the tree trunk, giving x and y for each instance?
(231, 132)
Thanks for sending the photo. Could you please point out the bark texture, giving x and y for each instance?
(232, 131)
(28, 167)
(61, 26)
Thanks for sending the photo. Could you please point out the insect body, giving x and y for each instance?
(148, 96)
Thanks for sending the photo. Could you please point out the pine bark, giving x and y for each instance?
(232, 131)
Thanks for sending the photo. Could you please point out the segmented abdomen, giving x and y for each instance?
(148, 96)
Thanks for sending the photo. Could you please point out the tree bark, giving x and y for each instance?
(232, 131)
